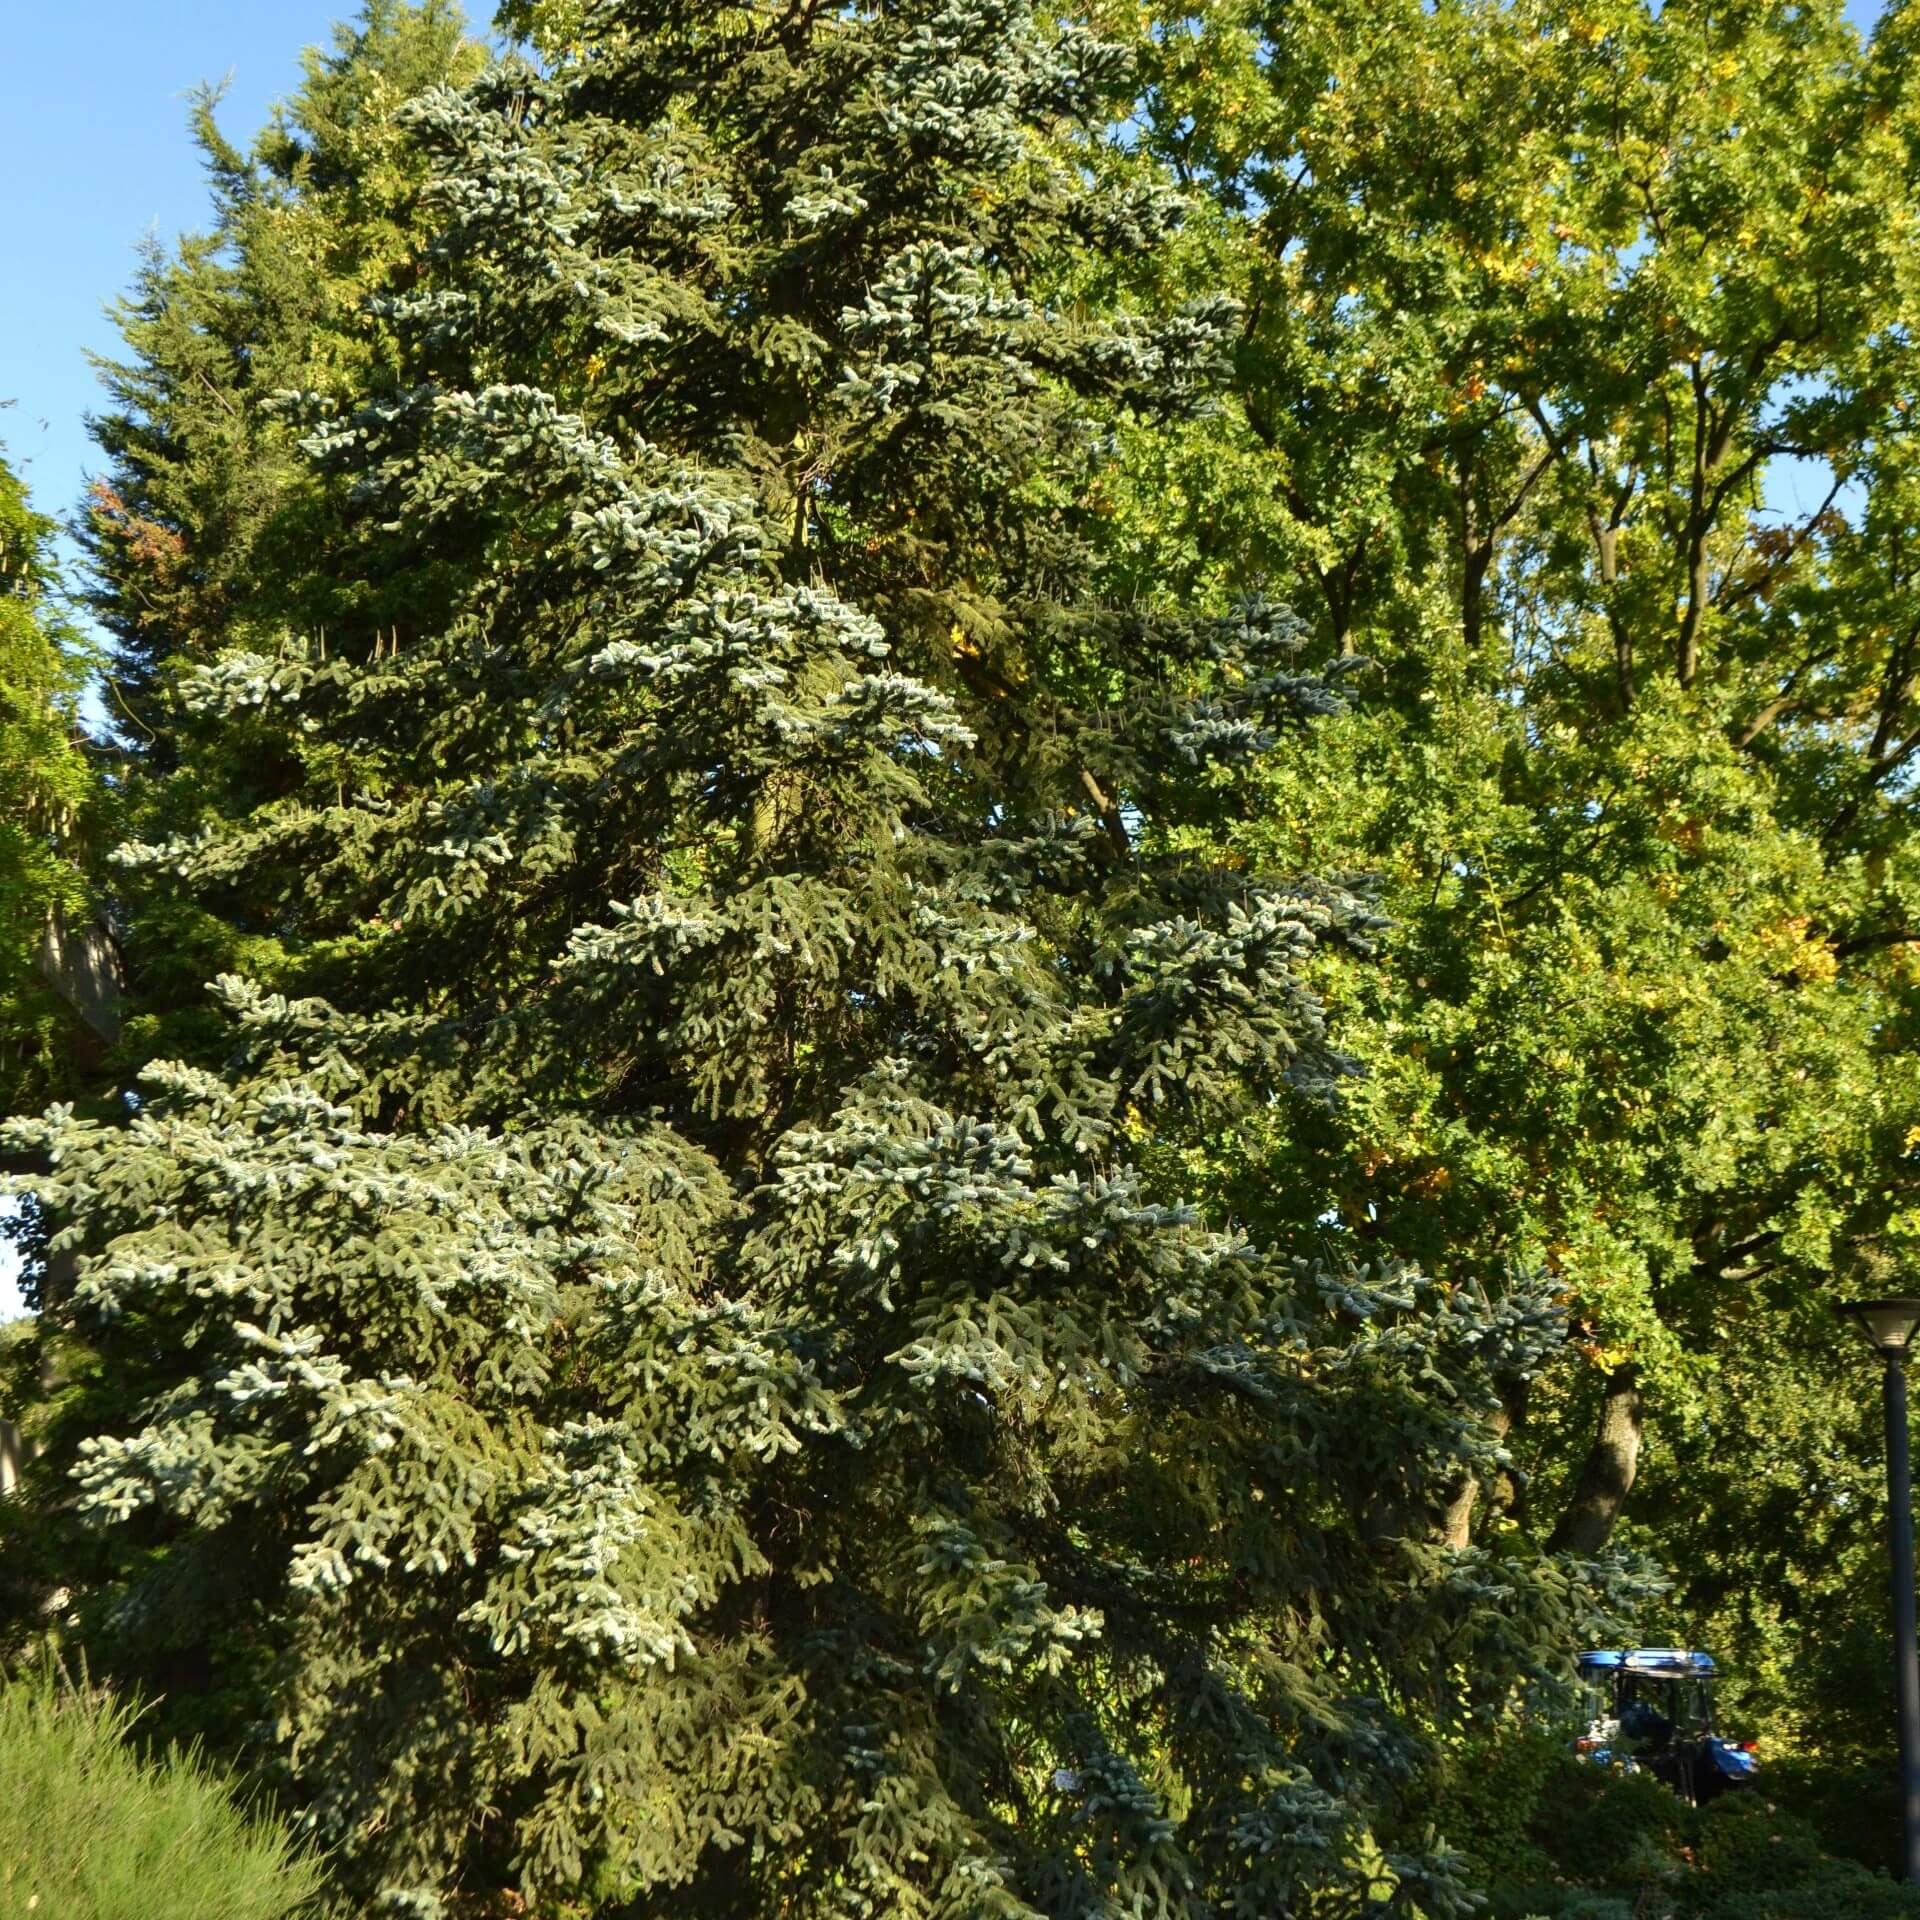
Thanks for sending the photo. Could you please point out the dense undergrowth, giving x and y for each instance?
(1551, 1837)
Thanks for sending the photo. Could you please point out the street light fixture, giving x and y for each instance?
(1889, 1327)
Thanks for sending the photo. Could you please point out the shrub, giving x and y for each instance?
(1852, 1802)
(91, 1831)
(1551, 1837)
(1484, 1794)
(1755, 1863)
(1612, 1829)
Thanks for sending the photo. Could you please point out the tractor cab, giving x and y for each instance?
(1651, 1708)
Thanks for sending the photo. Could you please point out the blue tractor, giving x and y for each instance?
(1651, 1709)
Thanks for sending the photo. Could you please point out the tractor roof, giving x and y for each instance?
(1665, 1663)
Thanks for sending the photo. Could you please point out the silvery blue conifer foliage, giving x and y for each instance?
(672, 1391)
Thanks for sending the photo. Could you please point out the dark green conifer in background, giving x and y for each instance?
(202, 527)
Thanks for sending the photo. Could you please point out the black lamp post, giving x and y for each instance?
(1889, 1327)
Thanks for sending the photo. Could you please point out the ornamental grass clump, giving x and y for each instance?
(91, 1830)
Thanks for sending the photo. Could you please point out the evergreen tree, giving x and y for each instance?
(201, 529)
(197, 532)
(670, 1389)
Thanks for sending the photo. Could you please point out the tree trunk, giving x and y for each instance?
(1456, 1518)
(1473, 594)
(15, 1448)
(1687, 652)
(1607, 1478)
(82, 967)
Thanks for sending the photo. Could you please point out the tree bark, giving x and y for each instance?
(1607, 1478)
(81, 965)
(1456, 1518)
(1473, 593)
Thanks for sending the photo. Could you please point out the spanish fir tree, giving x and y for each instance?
(666, 1389)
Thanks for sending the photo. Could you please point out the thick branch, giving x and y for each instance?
(1874, 942)
(1456, 1519)
(1608, 1475)
(1775, 707)
(1871, 781)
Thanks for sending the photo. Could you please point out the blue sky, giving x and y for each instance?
(95, 155)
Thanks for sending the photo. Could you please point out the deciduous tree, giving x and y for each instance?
(55, 1012)
(1573, 392)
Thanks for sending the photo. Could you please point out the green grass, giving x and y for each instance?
(91, 1831)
